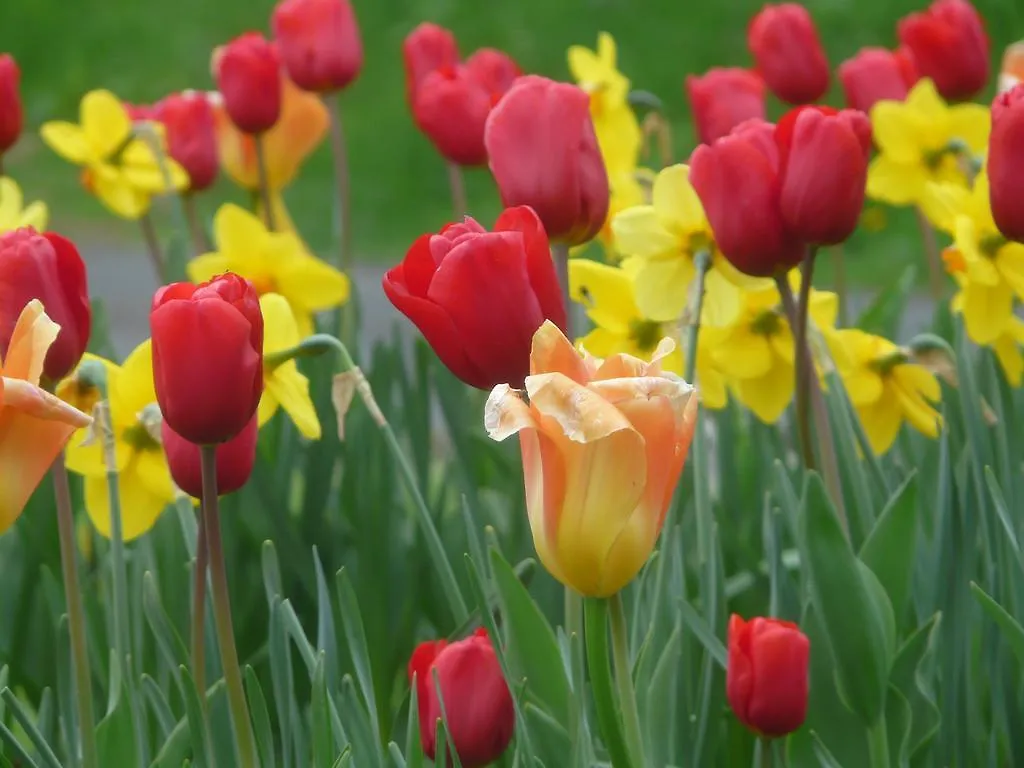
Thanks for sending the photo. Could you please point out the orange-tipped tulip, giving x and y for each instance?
(34, 425)
(603, 444)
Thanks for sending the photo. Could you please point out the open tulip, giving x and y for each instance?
(319, 43)
(235, 459)
(11, 113)
(191, 135)
(950, 46)
(603, 445)
(248, 75)
(788, 53)
(877, 74)
(427, 49)
(1006, 163)
(722, 98)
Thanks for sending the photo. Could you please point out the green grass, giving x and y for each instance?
(142, 49)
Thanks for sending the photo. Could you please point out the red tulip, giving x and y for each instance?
(1006, 163)
(543, 153)
(11, 116)
(191, 135)
(248, 75)
(235, 459)
(877, 74)
(494, 70)
(477, 701)
(139, 112)
(424, 50)
(766, 677)
(950, 46)
(45, 267)
(478, 296)
(207, 357)
(788, 52)
(319, 43)
(722, 98)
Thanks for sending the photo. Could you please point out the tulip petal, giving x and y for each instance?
(551, 351)
(539, 264)
(31, 338)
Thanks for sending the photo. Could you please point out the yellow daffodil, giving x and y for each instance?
(283, 385)
(275, 262)
(1007, 348)
(884, 387)
(13, 215)
(144, 479)
(923, 140)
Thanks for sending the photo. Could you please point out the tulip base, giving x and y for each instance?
(457, 184)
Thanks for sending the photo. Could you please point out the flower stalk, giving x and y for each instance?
(596, 616)
(560, 253)
(457, 184)
(198, 634)
(153, 250)
(264, 181)
(624, 679)
(343, 193)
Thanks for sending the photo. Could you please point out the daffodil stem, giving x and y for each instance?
(76, 614)
(596, 617)
(624, 679)
(264, 182)
(560, 253)
(200, 242)
(153, 250)
(701, 263)
(245, 740)
(932, 255)
(198, 635)
(458, 187)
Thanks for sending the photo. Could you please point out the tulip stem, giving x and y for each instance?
(842, 288)
(264, 181)
(878, 744)
(200, 242)
(198, 635)
(701, 264)
(343, 193)
(560, 253)
(596, 617)
(76, 614)
(245, 740)
(574, 628)
(624, 679)
(458, 187)
(932, 255)
(153, 250)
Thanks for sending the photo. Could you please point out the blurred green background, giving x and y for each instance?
(143, 49)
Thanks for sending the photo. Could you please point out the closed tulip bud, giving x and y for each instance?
(877, 74)
(235, 459)
(1006, 163)
(207, 357)
(451, 108)
(248, 75)
(722, 98)
(46, 267)
(788, 53)
(480, 714)
(11, 115)
(478, 296)
(494, 70)
(766, 676)
(424, 50)
(543, 153)
(949, 45)
(603, 445)
(191, 136)
(319, 43)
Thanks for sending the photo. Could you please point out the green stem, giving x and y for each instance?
(457, 185)
(701, 263)
(802, 411)
(764, 753)
(198, 634)
(574, 629)
(264, 182)
(624, 679)
(560, 253)
(245, 740)
(200, 242)
(153, 249)
(842, 287)
(878, 745)
(804, 363)
(932, 255)
(343, 199)
(596, 617)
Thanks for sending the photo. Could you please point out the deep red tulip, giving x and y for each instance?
(877, 74)
(45, 267)
(950, 46)
(1006, 163)
(451, 108)
(191, 135)
(494, 70)
(766, 677)
(235, 459)
(11, 116)
(543, 153)
(248, 75)
(722, 98)
(319, 43)
(478, 296)
(788, 53)
(477, 701)
(207, 357)
(424, 50)
(139, 112)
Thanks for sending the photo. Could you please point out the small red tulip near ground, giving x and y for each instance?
(207, 357)
(191, 135)
(1006, 163)
(877, 74)
(788, 53)
(424, 50)
(235, 460)
(766, 677)
(479, 296)
(477, 701)
(949, 45)
(45, 267)
(11, 115)
(319, 43)
(248, 75)
(722, 98)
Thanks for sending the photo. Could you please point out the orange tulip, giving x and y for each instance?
(34, 425)
(603, 445)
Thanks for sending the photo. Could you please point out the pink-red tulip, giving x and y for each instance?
(949, 45)
(722, 98)
(235, 460)
(426, 49)
(788, 53)
(319, 43)
(191, 135)
(11, 114)
(248, 75)
(877, 74)
(1006, 163)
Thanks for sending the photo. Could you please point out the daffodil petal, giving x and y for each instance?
(639, 232)
(140, 508)
(105, 122)
(606, 292)
(291, 390)
(67, 140)
(313, 285)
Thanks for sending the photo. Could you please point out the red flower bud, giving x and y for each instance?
(424, 50)
(207, 357)
(1006, 163)
(722, 98)
(478, 296)
(543, 153)
(191, 135)
(494, 70)
(319, 43)
(766, 677)
(235, 459)
(477, 701)
(11, 116)
(950, 46)
(139, 112)
(788, 52)
(877, 74)
(248, 75)
(45, 267)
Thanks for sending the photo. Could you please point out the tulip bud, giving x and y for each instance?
(766, 676)
(877, 74)
(207, 357)
(949, 45)
(11, 116)
(191, 135)
(480, 311)
(494, 70)
(424, 50)
(1006, 163)
(451, 108)
(477, 702)
(788, 53)
(235, 459)
(319, 43)
(543, 153)
(722, 98)
(248, 75)
(46, 267)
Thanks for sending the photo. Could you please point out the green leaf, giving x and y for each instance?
(352, 624)
(46, 756)
(413, 745)
(882, 316)
(198, 725)
(326, 638)
(898, 722)
(1003, 513)
(700, 629)
(912, 679)
(169, 645)
(825, 758)
(260, 719)
(444, 725)
(323, 741)
(159, 705)
(19, 751)
(890, 547)
(115, 736)
(1012, 631)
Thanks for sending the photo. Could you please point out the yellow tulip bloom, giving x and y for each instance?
(923, 140)
(34, 425)
(603, 444)
(274, 262)
(13, 215)
(283, 385)
(884, 387)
